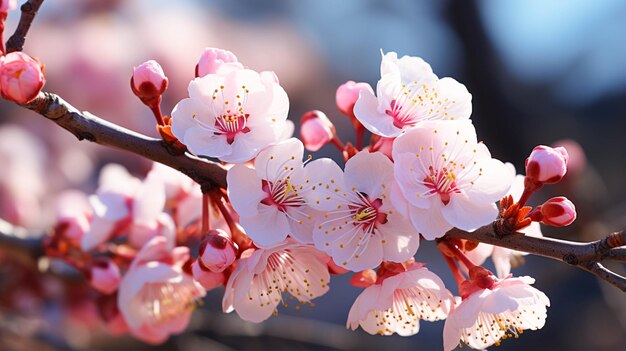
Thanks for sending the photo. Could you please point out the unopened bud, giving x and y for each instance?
(21, 77)
(217, 251)
(557, 212)
(316, 130)
(212, 59)
(209, 280)
(363, 279)
(546, 165)
(347, 95)
(104, 276)
(148, 82)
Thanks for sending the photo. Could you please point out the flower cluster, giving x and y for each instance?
(286, 222)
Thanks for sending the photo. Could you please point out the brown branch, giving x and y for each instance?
(29, 11)
(19, 244)
(586, 256)
(86, 126)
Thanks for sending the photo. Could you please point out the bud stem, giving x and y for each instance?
(156, 110)
(338, 144)
(206, 226)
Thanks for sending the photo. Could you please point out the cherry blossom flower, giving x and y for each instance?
(448, 178)
(408, 92)
(360, 227)
(232, 114)
(397, 304)
(73, 215)
(155, 296)
(270, 198)
(255, 287)
(489, 315)
(111, 205)
(504, 258)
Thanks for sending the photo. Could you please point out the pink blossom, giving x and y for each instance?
(360, 227)
(21, 77)
(255, 287)
(217, 251)
(104, 276)
(316, 130)
(546, 165)
(399, 302)
(447, 178)
(487, 316)
(213, 58)
(156, 297)
(408, 93)
(348, 93)
(110, 205)
(557, 212)
(148, 80)
(73, 214)
(232, 115)
(208, 279)
(7, 5)
(270, 198)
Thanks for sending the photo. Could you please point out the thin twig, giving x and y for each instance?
(29, 11)
(19, 243)
(85, 126)
(586, 256)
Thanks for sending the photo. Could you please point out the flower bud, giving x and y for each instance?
(21, 77)
(209, 280)
(7, 5)
(148, 82)
(212, 59)
(316, 130)
(347, 95)
(557, 212)
(217, 251)
(363, 279)
(104, 276)
(546, 165)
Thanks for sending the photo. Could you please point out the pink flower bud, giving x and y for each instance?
(576, 160)
(7, 5)
(546, 165)
(347, 95)
(217, 251)
(557, 212)
(316, 130)
(209, 280)
(21, 77)
(212, 59)
(104, 276)
(148, 81)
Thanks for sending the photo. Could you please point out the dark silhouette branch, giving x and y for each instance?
(29, 11)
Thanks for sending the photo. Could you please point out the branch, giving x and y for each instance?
(29, 11)
(586, 256)
(19, 243)
(86, 126)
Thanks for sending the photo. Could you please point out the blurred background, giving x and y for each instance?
(539, 72)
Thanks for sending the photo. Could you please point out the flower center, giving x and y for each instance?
(442, 182)
(366, 213)
(230, 116)
(281, 194)
(164, 302)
